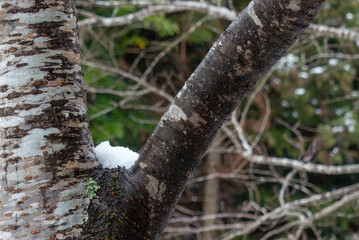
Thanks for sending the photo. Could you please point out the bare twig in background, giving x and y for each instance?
(179, 6)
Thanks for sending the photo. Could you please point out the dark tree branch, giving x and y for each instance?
(250, 46)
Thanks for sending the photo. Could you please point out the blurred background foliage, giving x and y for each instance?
(307, 106)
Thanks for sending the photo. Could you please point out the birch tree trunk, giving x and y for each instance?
(45, 138)
(46, 154)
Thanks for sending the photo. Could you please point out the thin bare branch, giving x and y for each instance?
(130, 77)
(331, 32)
(204, 7)
(211, 11)
(302, 166)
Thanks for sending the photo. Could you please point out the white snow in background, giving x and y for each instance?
(303, 75)
(333, 62)
(295, 114)
(112, 157)
(347, 67)
(349, 16)
(317, 70)
(338, 129)
(341, 111)
(334, 151)
(277, 81)
(318, 111)
(285, 103)
(287, 62)
(349, 122)
(299, 91)
(355, 93)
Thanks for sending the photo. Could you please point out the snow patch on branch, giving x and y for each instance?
(112, 157)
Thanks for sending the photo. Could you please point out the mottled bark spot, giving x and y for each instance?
(6, 5)
(252, 14)
(294, 5)
(155, 188)
(143, 165)
(197, 120)
(175, 114)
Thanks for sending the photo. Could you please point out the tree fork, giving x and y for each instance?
(249, 47)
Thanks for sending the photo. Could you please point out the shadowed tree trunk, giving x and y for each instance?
(211, 193)
(46, 154)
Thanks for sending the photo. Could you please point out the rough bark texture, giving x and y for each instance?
(45, 141)
(44, 133)
(245, 51)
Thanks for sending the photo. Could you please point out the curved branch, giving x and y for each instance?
(179, 6)
(168, 7)
(250, 46)
(213, 12)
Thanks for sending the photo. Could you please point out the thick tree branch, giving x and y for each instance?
(245, 51)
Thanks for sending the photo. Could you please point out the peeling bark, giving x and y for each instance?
(46, 147)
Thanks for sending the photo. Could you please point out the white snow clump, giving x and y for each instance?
(112, 157)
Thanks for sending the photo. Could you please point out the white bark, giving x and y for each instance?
(44, 139)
